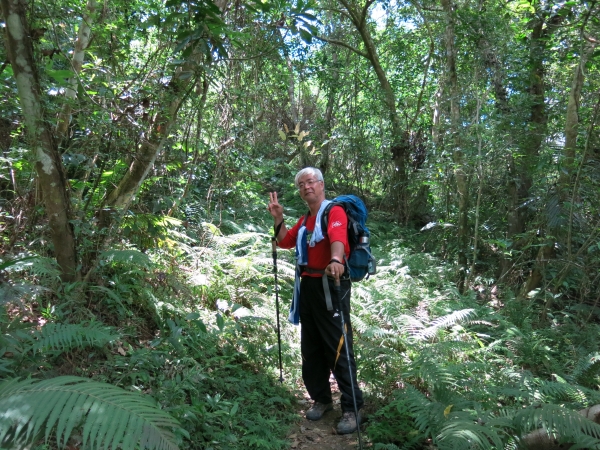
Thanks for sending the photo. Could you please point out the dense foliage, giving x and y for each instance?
(139, 140)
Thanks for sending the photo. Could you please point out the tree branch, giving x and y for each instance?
(419, 9)
(355, 19)
(363, 14)
(339, 11)
(342, 44)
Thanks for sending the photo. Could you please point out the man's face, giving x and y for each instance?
(311, 190)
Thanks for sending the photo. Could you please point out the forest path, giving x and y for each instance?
(321, 434)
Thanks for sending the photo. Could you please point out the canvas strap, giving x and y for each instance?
(327, 292)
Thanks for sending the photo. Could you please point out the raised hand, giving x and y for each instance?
(275, 209)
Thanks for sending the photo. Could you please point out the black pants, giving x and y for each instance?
(320, 337)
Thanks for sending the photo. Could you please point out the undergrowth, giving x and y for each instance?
(190, 322)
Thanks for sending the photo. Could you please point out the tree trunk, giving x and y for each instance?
(399, 143)
(196, 159)
(565, 184)
(331, 101)
(457, 154)
(82, 42)
(572, 120)
(47, 159)
(152, 144)
(546, 251)
(520, 167)
(120, 198)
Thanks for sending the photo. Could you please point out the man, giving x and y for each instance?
(321, 336)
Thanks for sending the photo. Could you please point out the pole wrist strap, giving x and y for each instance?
(277, 228)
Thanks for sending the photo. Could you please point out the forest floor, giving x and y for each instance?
(321, 434)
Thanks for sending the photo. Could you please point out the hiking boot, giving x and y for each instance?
(317, 410)
(347, 423)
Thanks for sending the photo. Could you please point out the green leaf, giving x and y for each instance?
(111, 417)
(61, 76)
(12, 262)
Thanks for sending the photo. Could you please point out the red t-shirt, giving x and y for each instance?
(320, 255)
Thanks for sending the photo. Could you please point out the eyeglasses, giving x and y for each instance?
(307, 183)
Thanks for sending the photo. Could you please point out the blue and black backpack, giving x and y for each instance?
(361, 262)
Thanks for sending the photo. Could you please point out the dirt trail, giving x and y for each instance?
(310, 435)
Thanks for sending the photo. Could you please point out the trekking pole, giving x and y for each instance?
(274, 246)
(336, 288)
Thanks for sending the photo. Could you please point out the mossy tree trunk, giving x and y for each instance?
(47, 160)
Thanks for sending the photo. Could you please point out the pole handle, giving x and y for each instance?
(336, 285)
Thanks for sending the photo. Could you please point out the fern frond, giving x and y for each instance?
(535, 390)
(286, 269)
(431, 372)
(134, 257)
(453, 349)
(377, 332)
(380, 446)
(39, 266)
(110, 416)
(443, 322)
(62, 337)
(556, 420)
(264, 262)
(587, 368)
(411, 325)
(419, 406)
(552, 390)
(239, 241)
(465, 433)
(18, 292)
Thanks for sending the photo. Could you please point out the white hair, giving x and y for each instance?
(309, 171)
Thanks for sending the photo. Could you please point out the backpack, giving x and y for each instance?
(361, 262)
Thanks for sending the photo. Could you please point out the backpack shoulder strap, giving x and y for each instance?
(325, 215)
(305, 218)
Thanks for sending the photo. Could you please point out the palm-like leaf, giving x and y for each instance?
(110, 416)
(60, 336)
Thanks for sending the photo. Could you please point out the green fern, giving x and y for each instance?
(17, 293)
(62, 337)
(41, 267)
(421, 332)
(586, 369)
(110, 416)
(533, 390)
(464, 432)
(566, 423)
(433, 374)
(133, 257)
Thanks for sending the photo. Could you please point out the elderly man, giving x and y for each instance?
(321, 335)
